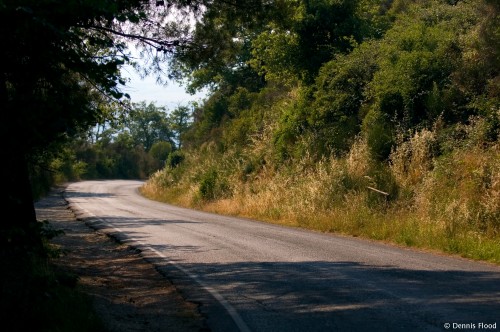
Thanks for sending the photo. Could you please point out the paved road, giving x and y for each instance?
(252, 276)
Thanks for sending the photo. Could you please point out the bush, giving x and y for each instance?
(160, 150)
(175, 158)
(421, 53)
(213, 187)
(379, 134)
(338, 97)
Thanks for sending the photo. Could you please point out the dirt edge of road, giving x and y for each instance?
(129, 293)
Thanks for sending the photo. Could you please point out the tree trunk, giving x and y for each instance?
(19, 227)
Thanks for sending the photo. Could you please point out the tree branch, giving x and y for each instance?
(161, 45)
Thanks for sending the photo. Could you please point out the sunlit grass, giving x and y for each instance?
(449, 203)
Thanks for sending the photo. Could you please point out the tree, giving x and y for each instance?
(220, 49)
(180, 119)
(148, 124)
(57, 59)
(160, 152)
(317, 30)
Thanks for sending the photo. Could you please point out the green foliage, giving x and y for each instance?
(148, 124)
(478, 77)
(58, 164)
(66, 167)
(213, 186)
(160, 150)
(175, 159)
(62, 62)
(208, 185)
(338, 98)
(325, 27)
(275, 55)
(380, 134)
(291, 126)
(420, 54)
(180, 120)
(294, 50)
(114, 159)
(246, 118)
(116, 148)
(209, 119)
(405, 79)
(377, 119)
(375, 17)
(293, 84)
(218, 53)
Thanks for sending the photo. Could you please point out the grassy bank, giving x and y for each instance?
(435, 192)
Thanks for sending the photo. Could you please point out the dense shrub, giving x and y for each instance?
(175, 158)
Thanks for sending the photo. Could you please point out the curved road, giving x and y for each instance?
(252, 276)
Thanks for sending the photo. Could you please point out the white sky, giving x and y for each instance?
(147, 90)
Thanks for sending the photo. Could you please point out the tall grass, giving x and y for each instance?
(440, 193)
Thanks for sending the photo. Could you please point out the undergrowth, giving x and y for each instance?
(36, 295)
(434, 192)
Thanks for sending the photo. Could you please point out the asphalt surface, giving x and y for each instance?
(128, 294)
(252, 276)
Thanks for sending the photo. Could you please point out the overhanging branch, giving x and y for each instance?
(160, 45)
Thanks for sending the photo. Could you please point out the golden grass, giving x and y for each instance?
(449, 203)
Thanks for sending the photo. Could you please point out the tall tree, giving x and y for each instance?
(180, 119)
(148, 124)
(56, 56)
(219, 51)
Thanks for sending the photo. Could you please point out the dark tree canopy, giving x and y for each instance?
(60, 61)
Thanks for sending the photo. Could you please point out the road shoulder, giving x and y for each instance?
(129, 293)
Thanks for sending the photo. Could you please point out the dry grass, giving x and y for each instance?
(449, 203)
